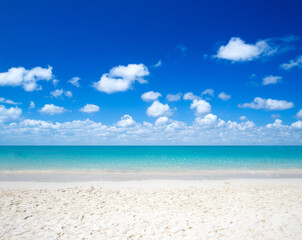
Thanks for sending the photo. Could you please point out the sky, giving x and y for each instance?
(150, 72)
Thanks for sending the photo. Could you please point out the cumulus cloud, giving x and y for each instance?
(90, 108)
(238, 50)
(158, 64)
(234, 125)
(161, 121)
(292, 63)
(39, 123)
(209, 92)
(26, 78)
(121, 78)
(75, 81)
(202, 107)
(224, 97)
(147, 124)
(173, 97)
(208, 120)
(126, 121)
(209, 130)
(32, 104)
(59, 93)
(68, 94)
(9, 114)
(174, 125)
(52, 109)
(190, 96)
(158, 109)
(297, 125)
(150, 96)
(55, 82)
(276, 124)
(267, 104)
(8, 101)
(299, 114)
(271, 80)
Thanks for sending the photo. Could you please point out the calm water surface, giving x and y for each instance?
(155, 158)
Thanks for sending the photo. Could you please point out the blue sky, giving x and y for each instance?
(241, 61)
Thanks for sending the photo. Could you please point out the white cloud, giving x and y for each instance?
(147, 124)
(75, 81)
(209, 92)
(150, 96)
(26, 78)
(121, 78)
(126, 121)
(202, 107)
(158, 64)
(292, 63)
(68, 94)
(90, 108)
(267, 104)
(161, 121)
(208, 120)
(51, 109)
(8, 101)
(234, 125)
(190, 96)
(31, 104)
(173, 97)
(158, 109)
(212, 131)
(55, 82)
(243, 118)
(224, 97)
(238, 50)
(174, 125)
(38, 123)
(297, 125)
(9, 114)
(299, 114)
(59, 93)
(277, 124)
(271, 80)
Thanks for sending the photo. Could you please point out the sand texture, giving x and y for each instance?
(159, 210)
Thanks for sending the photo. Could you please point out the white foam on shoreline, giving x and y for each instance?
(163, 171)
(100, 175)
(146, 184)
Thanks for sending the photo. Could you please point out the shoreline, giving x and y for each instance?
(101, 175)
(148, 184)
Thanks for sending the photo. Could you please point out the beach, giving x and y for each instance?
(156, 192)
(247, 208)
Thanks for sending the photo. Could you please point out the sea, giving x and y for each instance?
(149, 158)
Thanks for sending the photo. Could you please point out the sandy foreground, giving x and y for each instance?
(152, 209)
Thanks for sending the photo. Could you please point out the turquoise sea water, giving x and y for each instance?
(154, 158)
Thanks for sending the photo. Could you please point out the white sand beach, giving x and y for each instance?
(152, 209)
